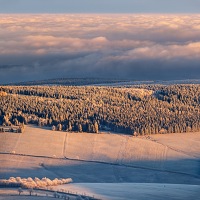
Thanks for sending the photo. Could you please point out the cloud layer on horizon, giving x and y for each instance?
(137, 47)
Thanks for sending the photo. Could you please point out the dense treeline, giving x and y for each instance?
(142, 109)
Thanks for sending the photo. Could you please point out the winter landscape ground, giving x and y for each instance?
(105, 164)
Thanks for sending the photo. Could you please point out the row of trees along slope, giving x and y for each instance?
(142, 109)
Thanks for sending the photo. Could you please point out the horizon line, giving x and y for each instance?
(101, 13)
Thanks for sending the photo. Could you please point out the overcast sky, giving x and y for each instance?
(99, 6)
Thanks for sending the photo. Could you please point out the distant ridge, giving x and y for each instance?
(70, 81)
(103, 82)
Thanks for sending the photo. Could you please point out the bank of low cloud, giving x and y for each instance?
(99, 45)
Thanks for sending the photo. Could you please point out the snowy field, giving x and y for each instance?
(33, 141)
(115, 191)
(105, 163)
(141, 191)
(12, 194)
(187, 143)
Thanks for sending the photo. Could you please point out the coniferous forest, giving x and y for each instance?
(138, 110)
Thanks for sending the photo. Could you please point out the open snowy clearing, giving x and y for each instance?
(113, 191)
(105, 165)
(87, 172)
(115, 148)
(13, 194)
(33, 141)
(119, 155)
(179, 152)
(187, 143)
(9, 197)
(139, 191)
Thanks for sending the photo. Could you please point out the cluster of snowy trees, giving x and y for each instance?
(33, 183)
(166, 109)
